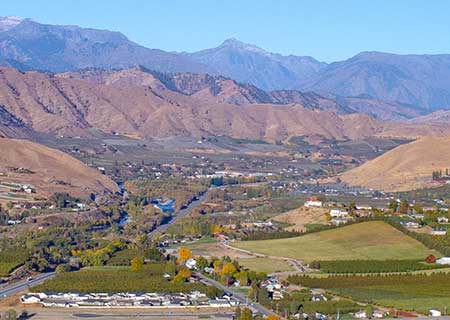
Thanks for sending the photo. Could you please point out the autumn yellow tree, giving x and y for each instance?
(217, 265)
(228, 269)
(272, 317)
(182, 275)
(137, 264)
(184, 254)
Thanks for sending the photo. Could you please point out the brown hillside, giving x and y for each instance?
(54, 171)
(406, 167)
(300, 217)
(133, 102)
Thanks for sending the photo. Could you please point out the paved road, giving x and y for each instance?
(241, 298)
(10, 289)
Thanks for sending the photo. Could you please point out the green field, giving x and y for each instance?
(266, 265)
(10, 260)
(119, 279)
(374, 266)
(408, 292)
(374, 240)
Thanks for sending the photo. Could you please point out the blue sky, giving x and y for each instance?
(328, 30)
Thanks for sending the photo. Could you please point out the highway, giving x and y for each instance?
(241, 298)
(11, 289)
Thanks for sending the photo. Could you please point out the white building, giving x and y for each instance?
(338, 213)
(443, 260)
(439, 231)
(30, 299)
(191, 263)
(410, 224)
(442, 220)
(312, 203)
(435, 313)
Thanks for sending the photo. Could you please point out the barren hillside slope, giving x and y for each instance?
(406, 167)
(132, 102)
(51, 170)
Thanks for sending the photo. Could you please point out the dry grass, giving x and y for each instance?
(214, 250)
(404, 168)
(54, 171)
(369, 240)
(266, 265)
(302, 216)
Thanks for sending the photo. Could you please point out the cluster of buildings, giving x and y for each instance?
(273, 287)
(124, 300)
(339, 216)
(12, 188)
(233, 174)
(376, 314)
(416, 221)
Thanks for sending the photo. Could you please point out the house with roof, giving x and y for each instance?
(338, 213)
(313, 203)
(318, 298)
(442, 219)
(435, 313)
(443, 260)
(439, 231)
(410, 224)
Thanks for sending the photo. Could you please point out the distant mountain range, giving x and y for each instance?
(384, 85)
(250, 64)
(28, 45)
(417, 80)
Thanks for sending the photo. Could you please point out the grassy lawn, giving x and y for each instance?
(266, 265)
(7, 267)
(374, 240)
(241, 290)
(389, 297)
(10, 260)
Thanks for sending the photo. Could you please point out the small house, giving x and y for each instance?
(338, 213)
(442, 219)
(313, 203)
(191, 263)
(29, 298)
(443, 260)
(435, 313)
(410, 224)
(439, 231)
(318, 298)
